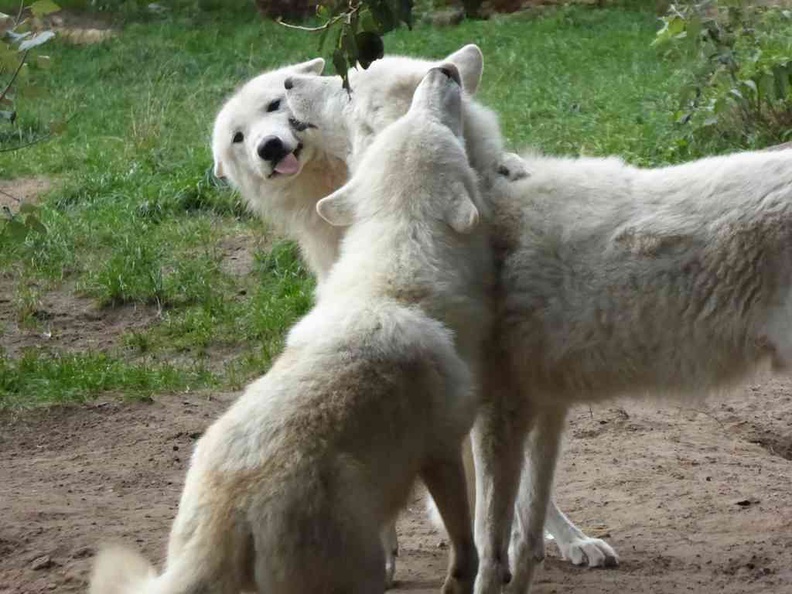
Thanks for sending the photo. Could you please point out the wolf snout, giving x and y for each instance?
(288, 84)
(272, 149)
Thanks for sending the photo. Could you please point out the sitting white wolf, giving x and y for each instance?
(614, 281)
(284, 185)
(287, 492)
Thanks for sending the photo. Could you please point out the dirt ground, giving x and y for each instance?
(692, 500)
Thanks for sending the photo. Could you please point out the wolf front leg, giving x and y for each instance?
(390, 546)
(498, 437)
(575, 545)
(445, 480)
(536, 485)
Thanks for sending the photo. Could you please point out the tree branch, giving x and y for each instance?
(13, 77)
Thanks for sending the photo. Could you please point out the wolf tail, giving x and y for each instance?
(119, 570)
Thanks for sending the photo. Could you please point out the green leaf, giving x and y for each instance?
(367, 22)
(751, 85)
(42, 8)
(767, 85)
(383, 16)
(781, 80)
(8, 57)
(323, 12)
(341, 66)
(34, 224)
(17, 230)
(323, 39)
(348, 44)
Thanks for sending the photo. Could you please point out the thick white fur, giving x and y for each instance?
(614, 280)
(626, 281)
(288, 491)
(345, 125)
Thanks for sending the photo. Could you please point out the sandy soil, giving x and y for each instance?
(693, 500)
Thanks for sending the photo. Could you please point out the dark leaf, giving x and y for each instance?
(349, 45)
(405, 12)
(341, 66)
(370, 47)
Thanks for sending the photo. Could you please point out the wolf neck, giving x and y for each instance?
(295, 213)
(404, 262)
(483, 140)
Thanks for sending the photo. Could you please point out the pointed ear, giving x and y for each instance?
(338, 208)
(470, 63)
(219, 171)
(460, 212)
(314, 66)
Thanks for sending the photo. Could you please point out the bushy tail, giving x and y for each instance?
(119, 570)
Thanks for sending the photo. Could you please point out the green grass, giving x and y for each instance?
(138, 218)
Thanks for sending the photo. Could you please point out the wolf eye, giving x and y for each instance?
(238, 137)
(274, 105)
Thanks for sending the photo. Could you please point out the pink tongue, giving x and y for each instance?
(288, 165)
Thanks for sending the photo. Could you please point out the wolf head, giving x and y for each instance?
(254, 136)
(343, 124)
(416, 169)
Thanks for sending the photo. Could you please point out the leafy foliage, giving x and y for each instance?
(741, 83)
(16, 42)
(358, 26)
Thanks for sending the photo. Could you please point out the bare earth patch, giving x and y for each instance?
(685, 496)
(67, 322)
(15, 192)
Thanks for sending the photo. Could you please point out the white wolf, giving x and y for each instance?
(287, 491)
(614, 281)
(258, 111)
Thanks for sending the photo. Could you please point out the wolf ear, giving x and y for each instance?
(461, 213)
(470, 63)
(337, 208)
(314, 66)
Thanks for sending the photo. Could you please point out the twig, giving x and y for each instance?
(346, 15)
(40, 138)
(327, 25)
(18, 200)
(19, 12)
(13, 78)
(27, 144)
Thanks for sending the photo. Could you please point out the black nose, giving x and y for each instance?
(288, 83)
(272, 149)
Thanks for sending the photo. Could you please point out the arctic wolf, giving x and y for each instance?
(287, 492)
(258, 111)
(614, 280)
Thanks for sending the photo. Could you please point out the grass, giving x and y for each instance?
(138, 218)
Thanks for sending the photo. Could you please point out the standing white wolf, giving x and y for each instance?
(613, 281)
(287, 492)
(257, 114)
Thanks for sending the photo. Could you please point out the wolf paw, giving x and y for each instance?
(593, 552)
(512, 167)
(491, 578)
(454, 585)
